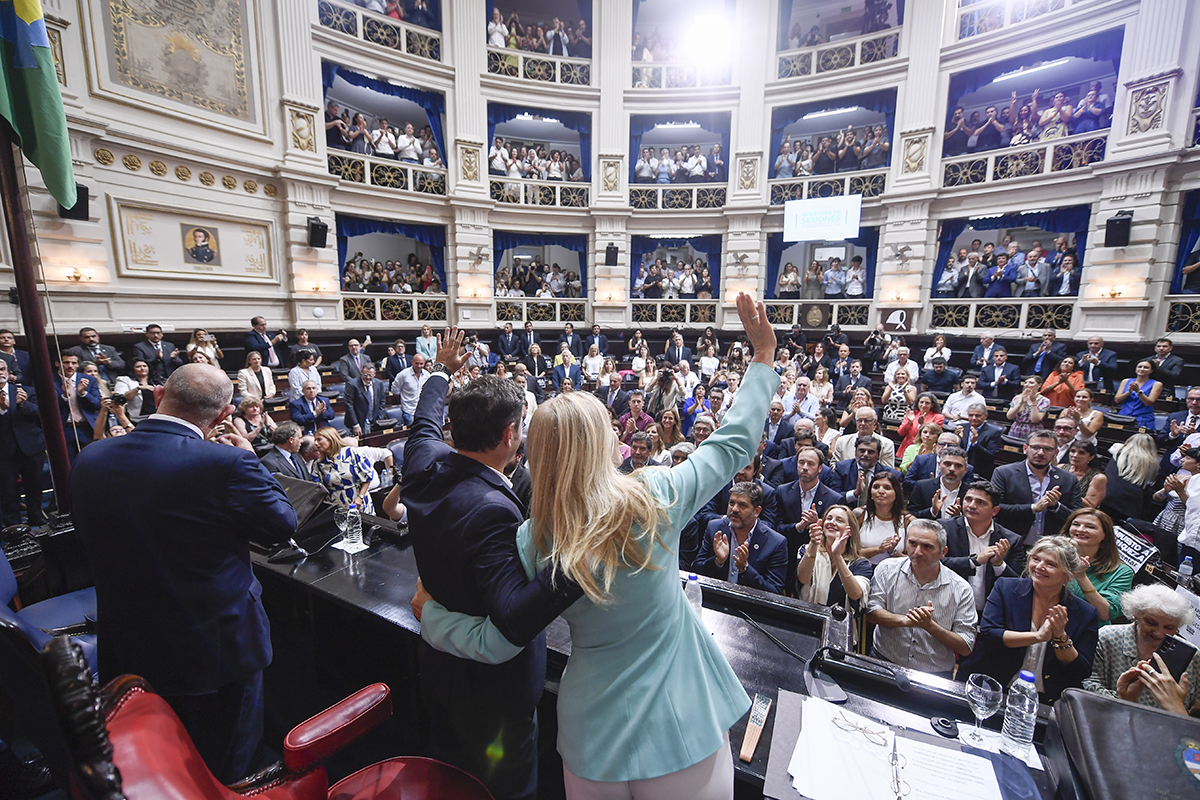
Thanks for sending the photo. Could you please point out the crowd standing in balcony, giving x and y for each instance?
(414, 12)
(531, 161)
(555, 38)
(1011, 126)
(841, 151)
(355, 134)
(834, 282)
(984, 270)
(536, 279)
(683, 165)
(687, 279)
(390, 277)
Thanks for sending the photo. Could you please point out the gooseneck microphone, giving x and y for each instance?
(821, 685)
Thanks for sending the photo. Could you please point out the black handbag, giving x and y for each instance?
(1101, 748)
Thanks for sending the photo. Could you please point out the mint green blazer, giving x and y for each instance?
(646, 691)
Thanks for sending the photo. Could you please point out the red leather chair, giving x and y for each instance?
(127, 744)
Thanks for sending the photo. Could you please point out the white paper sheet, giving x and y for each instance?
(939, 773)
(991, 743)
(821, 744)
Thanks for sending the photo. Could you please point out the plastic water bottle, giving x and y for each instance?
(694, 595)
(1020, 715)
(353, 532)
(1185, 573)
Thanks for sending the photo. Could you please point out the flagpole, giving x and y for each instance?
(31, 313)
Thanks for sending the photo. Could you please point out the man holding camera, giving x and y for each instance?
(258, 339)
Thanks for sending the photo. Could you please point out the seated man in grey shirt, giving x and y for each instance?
(925, 612)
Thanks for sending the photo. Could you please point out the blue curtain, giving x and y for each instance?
(882, 101)
(578, 121)
(715, 121)
(434, 103)
(709, 245)
(585, 14)
(1074, 219)
(432, 235)
(868, 239)
(1104, 46)
(507, 240)
(1189, 239)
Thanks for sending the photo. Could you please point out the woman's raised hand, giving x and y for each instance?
(758, 328)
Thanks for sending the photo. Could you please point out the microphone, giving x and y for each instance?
(821, 685)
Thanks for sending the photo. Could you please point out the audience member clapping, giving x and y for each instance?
(344, 470)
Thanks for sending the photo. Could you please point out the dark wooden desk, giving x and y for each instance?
(358, 610)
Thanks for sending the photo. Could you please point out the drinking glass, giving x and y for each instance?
(984, 695)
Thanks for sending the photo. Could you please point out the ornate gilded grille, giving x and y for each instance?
(336, 18)
(647, 78)
(393, 309)
(782, 192)
(348, 169)
(389, 176)
(1000, 315)
(570, 312)
(781, 314)
(645, 312)
(867, 185)
(538, 69)
(358, 309)
(381, 33)
(853, 315)
(835, 58)
(795, 66)
(431, 310)
(1017, 165)
(673, 312)
(424, 46)
(539, 312)
(874, 50)
(509, 312)
(951, 316)
(1072, 155)
(965, 173)
(710, 197)
(826, 188)
(573, 196)
(985, 20)
(502, 64)
(677, 199)
(1029, 9)
(1184, 318)
(429, 182)
(499, 191)
(702, 313)
(1049, 315)
(575, 74)
(643, 198)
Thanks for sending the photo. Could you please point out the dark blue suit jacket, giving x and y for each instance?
(600, 340)
(357, 405)
(256, 341)
(397, 364)
(177, 601)
(777, 472)
(1012, 481)
(89, 403)
(561, 372)
(300, 414)
(924, 467)
(1011, 385)
(1102, 373)
(958, 555)
(18, 365)
(463, 520)
(23, 420)
(508, 346)
(845, 476)
(1010, 608)
(1056, 353)
(677, 354)
(981, 455)
(766, 567)
(573, 342)
(719, 505)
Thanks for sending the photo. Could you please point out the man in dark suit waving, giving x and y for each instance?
(463, 518)
(1036, 496)
(176, 599)
(22, 452)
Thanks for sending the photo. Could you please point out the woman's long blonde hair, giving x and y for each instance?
(588, 518)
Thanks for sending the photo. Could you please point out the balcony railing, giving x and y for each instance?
(980, 18)
(1039, 158)
(847, 314)
(1010, 313)
(674, 312)
(528, 192)
(387, 173)
(667, 75)
(393, 308)
(868, 183)
(673, 197)
(540, 67)
(380, 30)
(531, 309)
(819, 59)
(1183, 315)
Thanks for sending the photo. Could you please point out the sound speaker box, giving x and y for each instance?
(1117, 230)
(79, 211)
(610, 255)
(318, 233)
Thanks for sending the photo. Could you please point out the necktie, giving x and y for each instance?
(969, 438)
(611, 397)
(300, 470)
(358, 361)
(370, 403)
(1191, 420)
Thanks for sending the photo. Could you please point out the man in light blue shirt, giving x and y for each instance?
(834, 280)
(408, 386)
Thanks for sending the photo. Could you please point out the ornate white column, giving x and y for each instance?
(465, 35)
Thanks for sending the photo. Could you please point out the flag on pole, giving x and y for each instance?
(29, 95)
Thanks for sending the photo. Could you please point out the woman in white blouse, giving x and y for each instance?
(255, 382)
(939, 349)
(593, 362)
(789, 283)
